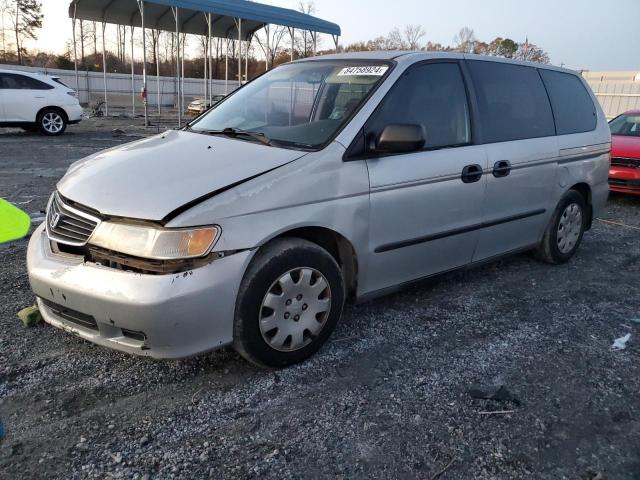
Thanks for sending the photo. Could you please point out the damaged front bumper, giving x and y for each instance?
(162, 316)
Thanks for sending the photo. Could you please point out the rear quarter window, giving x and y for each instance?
(512, 101)
(572, 105)
(14, 81)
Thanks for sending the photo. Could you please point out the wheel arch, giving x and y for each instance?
(53, 107)
(338, 246)
(585, 190)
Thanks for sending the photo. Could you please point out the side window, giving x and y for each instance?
(14, 81)
(573, 108)
(512, 101)
(432, 95)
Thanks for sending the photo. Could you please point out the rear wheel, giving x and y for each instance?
(289, 302)
(52, 122)
(565, 230)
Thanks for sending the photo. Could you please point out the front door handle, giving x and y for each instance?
(471, 173)
(502, 168)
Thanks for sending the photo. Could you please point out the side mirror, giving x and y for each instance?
(401, 138)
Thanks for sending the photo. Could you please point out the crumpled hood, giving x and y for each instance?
(150, 178)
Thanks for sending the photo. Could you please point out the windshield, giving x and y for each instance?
(627, 125)
(299, 105)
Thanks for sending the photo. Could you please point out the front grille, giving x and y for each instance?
(71, 316)
(625, 162)
(67, 224)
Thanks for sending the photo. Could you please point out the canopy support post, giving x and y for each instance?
(246, 57)
(314, 41)
(205, 76)
(336, 39)
(239, 52)
(266, 58)
(292, 32)
(75, 51)
(176, 16)
(133, 79)
(159, 87)
(226, 68)
(206, 61)
(144, 64)
(182, 56)
(209, 62)
(104, 71)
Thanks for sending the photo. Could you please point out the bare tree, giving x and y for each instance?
(271, 38)
(305, 40)
(94, 36)
(413, 35)
(465, 40)
(4, 36)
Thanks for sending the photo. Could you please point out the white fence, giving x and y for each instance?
(91, 87)
(616, 91)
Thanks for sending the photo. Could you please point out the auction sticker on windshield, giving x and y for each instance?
(373, 70)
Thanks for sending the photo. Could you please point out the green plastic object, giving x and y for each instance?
(30, 316)
(14, 223)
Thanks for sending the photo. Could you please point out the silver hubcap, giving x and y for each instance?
(52, 122)
(295, 309)
(569, 227)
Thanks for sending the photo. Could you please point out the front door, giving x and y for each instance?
(424, 205)
(23, 97)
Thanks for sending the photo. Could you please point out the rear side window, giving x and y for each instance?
(432, 95)
(512, 101)
(573, 108)
(14, 81)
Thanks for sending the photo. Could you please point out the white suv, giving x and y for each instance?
(34, 101)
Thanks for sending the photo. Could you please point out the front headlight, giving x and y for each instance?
(156, 243)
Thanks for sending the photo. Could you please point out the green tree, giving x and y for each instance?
(26, 18)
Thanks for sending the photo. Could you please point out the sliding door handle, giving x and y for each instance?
(471, 173)
(502, 169)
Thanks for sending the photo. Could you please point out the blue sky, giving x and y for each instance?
(582, 34)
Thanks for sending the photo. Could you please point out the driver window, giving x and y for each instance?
(432, 95)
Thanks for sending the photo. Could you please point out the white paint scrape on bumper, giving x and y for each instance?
(162, 316)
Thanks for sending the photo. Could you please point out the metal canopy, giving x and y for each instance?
(224, 15)
(234, 20)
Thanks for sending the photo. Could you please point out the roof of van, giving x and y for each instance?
(426, 54)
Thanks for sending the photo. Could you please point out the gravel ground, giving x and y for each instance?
(388, 397)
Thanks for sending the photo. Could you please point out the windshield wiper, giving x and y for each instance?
(236, 132)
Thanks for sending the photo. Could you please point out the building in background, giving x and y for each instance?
(616, 91)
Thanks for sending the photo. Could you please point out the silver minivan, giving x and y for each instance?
(332, 179)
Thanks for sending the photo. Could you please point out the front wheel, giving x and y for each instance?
(565, 230)
(52, 122)
(289, 302)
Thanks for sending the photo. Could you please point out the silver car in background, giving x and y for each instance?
(337, 178)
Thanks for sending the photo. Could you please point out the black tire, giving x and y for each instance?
(549, 250)
(30, 128)
(272, 262)
(52, 122)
